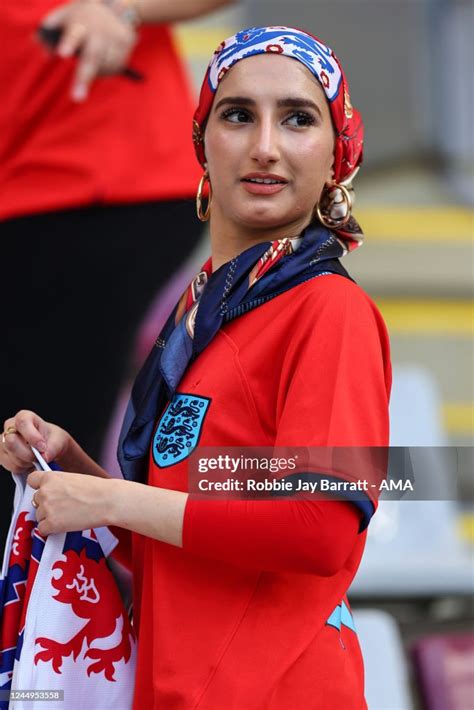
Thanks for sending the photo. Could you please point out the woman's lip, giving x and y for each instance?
(262, 188)
(264, 176)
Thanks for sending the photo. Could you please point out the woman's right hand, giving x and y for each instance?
(27, 428)
(102, 39)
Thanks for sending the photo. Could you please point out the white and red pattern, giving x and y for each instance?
(281, 40)
(63, 625)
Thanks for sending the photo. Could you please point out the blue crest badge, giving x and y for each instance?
(179, 429)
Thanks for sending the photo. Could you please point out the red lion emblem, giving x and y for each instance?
(88, 586)
(21, 544)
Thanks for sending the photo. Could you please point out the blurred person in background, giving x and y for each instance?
(96, 178)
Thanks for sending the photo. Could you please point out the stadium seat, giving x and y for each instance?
(444, 666)
(386, 671)
(413, 548)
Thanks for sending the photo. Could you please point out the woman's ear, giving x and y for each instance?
(330, 178)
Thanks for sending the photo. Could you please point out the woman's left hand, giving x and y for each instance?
(70, 501)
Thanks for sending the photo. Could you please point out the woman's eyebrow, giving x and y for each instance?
(295, 102)
(290, 102)
(235, 101)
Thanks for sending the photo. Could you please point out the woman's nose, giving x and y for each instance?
(265, 148)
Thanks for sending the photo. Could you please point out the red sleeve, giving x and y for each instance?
(333, 392)
(312, 537)
(336, 382)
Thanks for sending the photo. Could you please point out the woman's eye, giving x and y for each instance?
(236, 115)
(300, 119)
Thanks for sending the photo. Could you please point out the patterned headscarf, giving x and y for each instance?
(324, 65)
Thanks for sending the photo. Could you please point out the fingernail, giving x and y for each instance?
(41, 446)
(79, 93)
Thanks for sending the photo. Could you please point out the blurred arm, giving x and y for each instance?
(151, 11)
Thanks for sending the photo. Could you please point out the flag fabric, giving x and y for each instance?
(63, 624)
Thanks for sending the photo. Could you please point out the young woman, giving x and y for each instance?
(241, 604)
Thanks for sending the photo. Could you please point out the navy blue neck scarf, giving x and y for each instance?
(225, 296)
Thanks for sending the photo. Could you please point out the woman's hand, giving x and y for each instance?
(68, 501)
(27, 428)
(103, 41)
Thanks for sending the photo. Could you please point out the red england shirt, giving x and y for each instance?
(235, 620)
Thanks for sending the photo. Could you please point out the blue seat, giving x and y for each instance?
(413, 548)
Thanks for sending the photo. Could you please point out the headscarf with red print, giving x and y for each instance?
(325, 66)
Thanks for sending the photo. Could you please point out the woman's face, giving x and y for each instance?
(269, 122)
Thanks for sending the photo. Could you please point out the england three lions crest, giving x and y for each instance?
(179, 429)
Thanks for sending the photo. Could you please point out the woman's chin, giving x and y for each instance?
(265, 218)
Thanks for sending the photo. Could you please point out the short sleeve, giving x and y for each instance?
(336, 380)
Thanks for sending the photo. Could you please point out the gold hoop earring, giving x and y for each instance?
(329, 208)
(203, 216)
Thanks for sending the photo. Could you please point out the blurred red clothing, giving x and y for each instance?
(130, 141)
